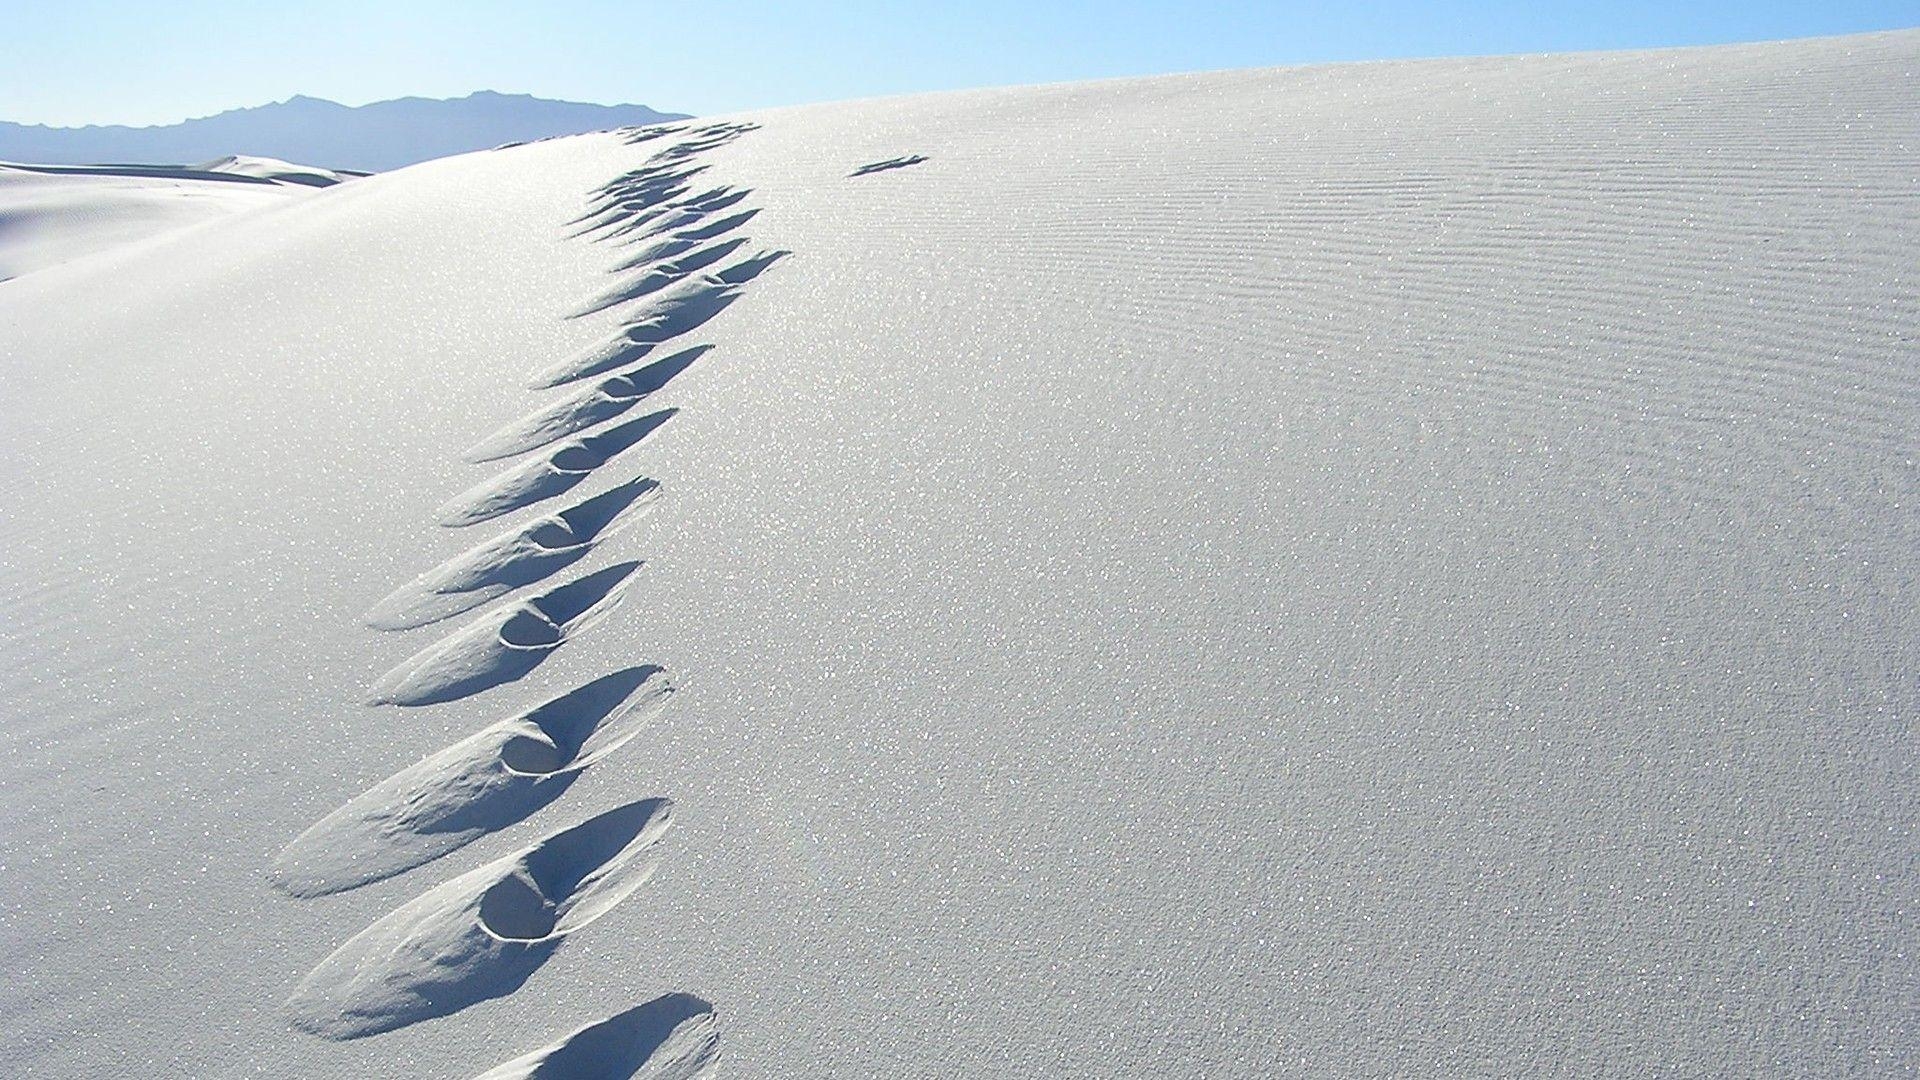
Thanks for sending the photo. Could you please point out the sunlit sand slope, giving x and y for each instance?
(1398, 569)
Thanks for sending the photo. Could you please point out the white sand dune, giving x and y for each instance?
(1393, 569)
(53, 213)
(267, 168)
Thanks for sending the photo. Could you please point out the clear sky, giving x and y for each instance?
(155, 61)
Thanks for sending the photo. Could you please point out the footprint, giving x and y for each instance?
(747, 269)
(669, 1038)
(545, 477)
(504, 644)
(639, 135)
(629, 208)
(660, 277)
(483, 934)
(648, 178)
(890, 163)
(717, 228)
(479, 785)
(651, 169)
(622, 212)
(644, 177)
(518, 557)
(664, 248)
(673, 218)
(631, 344)
(641, 185)
(599, 403)
(684, 240)
(719, 136)
(677, 214)
(634, 219)
(730, 128)
(664, 316)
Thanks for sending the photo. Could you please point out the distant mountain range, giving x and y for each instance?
(313, 131)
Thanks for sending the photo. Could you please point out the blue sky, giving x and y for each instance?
(118, 61)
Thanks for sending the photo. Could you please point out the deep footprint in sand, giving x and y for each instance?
(518, 557)
(483, 934)
(657, 173)
(504, 644)
(555, 473)
(624, 211)
(665, 315)
(603, 401)
(479, 785)
(704, 140)
(638, 135)
(642, 204)
(651, 177)
(640, 192)
(664, 275)
(670, 215)
(749, 268)
(675, 1037)
(890, 163)
(652, 173)
(632, 179)
(673, 217)
(683, 241)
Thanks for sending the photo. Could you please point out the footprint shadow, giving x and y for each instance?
(660, 277)
(497, 777)
(605, 400)
(665, 316)
(483, 934)
(675, 216)
(623, 211)
(890, 163)
(641, 190)
(653, 173)
(708, 138)
(636, 136)
(683, 241)
(749, 268)
(559, 471)
(515, 558)
(505, 644)
(674, 209)
(674, 1037)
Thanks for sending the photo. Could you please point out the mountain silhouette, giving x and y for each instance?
(313, 131)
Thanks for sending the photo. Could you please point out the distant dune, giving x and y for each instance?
(285, 172)
(368, 138)
(1375, 570)
(50, 214)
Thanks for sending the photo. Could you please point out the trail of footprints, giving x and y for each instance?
(482, 934)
